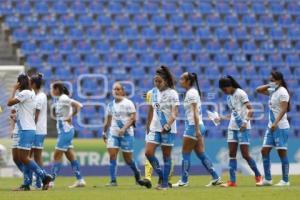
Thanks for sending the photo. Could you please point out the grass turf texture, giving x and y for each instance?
(128, 190)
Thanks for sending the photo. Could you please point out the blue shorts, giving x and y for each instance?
(166, 139)
(65, 140)
(38, 141)
(238, 136)
(15, 140)
(190, 131)
(277, 139)
(26, 139)
(124, 143)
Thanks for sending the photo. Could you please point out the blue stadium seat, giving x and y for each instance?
(294, 33)
(258, 34)
(41, 8)
(266, 21)
(166, 59)
(223, 8)
(140, 20)
(167, 33)
(205, 7)
(76, 34)
(212, 72)
(285, 21)
(113, 33)
(293, 7)
(104, 20)
(258, 8)
(93, 34)
(23, 8)
(168, 7)
(222, 33)
(96, 7)
(231, 47)
(184, 59)
(6, 8)
(122, 20)
(185, 32)
(222, 60)
(57, 34)
(49, 21)
(276, 60)
(264, 72)
(231, 71)
(194, 47)
(276, 34)
(249, 47)
(249, 20)
(186, 7)
(65, 47)
(33, 61)
(267, 47)
(204, 33)
(73, 60)
(176, 20)
(213, 46)
(92, 60)
(159, 20)
(231, 21)
(102, 47)
(213, 20)
(248, 72)
(55, 60)
(20, 35)
(47, 48)
(293, 60)
(28, 48)
(150, 7)
(67, 20)
(276, 7)
(130, 60)
(110, 59)
(60, 7)
(194, 19)
(130, 33)
(203, 59)
(240, 33)
(121, 46)
(132, 7)
(114, 7)
(239, 60)
(139, 46)
(12, 22)
(78, 8)
(86, 21)
(30, 22)
(177, 46)
(240, 8)
(83, 47)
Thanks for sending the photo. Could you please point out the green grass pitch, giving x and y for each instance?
(127, 190)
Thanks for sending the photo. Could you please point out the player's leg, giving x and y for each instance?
(25, 143)
(187, 148)
(148, 170)
(244, 142)
(200, 152)
(16, 159)
(71, 156)
(268, 143)
(281, 137)
(113, 154)
(37, 155)
(56, 164)
(166, 151)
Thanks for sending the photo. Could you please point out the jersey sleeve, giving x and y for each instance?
(109, 109)
(39, 103)
(174, 98)
(130, 107)
(244, 97)
(284, 96)
(22, 96)
(192, 97)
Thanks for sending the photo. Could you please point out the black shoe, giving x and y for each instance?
(48, 178)
(22, 188)
(147, 183)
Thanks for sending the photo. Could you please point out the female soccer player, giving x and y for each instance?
(239, 127)
(65, 109)
(162, 124)
(120, 120)
(194, 129)
(278, 127)
(41, 121)
(25, 100)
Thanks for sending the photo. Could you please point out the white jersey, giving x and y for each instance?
(26, 110)
(120, 113)
(278, 96)
(162, 103)
(63, 110)
(192, 96)
(41, 105)
(237, 104)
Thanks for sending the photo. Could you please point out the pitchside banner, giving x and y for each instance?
(94, 158)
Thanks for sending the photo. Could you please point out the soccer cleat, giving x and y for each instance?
(282, 183)
(180, 184)
(258, 179)
(215, 182)
(229, 184)
(22, 188)
(48, 178)
(145, 182)
(51, 184)
(78, 183)
(112, 184)
(265, 182)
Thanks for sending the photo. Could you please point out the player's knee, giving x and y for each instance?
(264, 152)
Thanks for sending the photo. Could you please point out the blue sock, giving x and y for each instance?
(232, 169)
(20, 166)
(285, 168)
(113, 170)
(134, 168)
(167, 170)
(27, 173)
(37, 169)
(38, 181)
(253, 166)
(55, 169)
(76, 169)
(185, 167)
(267, 167)
(155, 164)
(208, 164)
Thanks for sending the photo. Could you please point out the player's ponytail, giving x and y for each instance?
(37, 79)
(228, 81)
(23, 81)
(278, 76)
(193, 78)
(165, 73)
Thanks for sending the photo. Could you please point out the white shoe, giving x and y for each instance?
(180, 184)
(51, 184)
(265, 183)
(78, 183)
(215, 182)
(282, 183)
